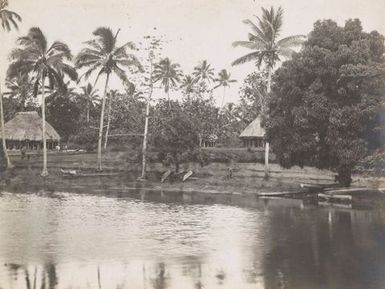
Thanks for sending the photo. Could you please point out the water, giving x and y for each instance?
(67, 240)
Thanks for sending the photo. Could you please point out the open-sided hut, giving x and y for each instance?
(25, 131)
(253, 136)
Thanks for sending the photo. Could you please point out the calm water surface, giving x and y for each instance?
(67, 240)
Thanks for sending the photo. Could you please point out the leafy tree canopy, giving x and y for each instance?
(325, 98)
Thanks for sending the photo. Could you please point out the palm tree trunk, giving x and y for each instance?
(44, 173)
(224, 95)
(88, 111)
(108, 123)
(145, 134)
(168, 97)
(9, 164)
(144, 149)
(267, 145)
(99, 160)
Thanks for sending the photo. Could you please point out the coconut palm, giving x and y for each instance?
(113, 93)
(266, 49)
(8, 18)
(168, 74)
(90, 96)
(104, 56)
(20, 88)
(224, 80)
(35, 57)
(187, 84)
(203, 72)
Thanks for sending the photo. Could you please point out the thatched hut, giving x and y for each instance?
(25, 131)
(253, 135)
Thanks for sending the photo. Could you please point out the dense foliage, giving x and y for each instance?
(325, 98)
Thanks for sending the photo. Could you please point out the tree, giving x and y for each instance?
(187, 84)
(103, 55)
(20, 89)
(168, 74)
(8, 18)
(173, 135)
(267, 49)
(34, 56)
(63, 112)
(203, 72)
(203, 114)
(90, 96)
(112, 95)
(324, 99)
(224, 80)
(253, 100)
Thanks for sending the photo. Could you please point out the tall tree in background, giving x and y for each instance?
(324, 100)
(204, 72)
(8, 19)
(187, 84)
(266, 49)
(168, 74)
(104, 56)
(20, 89)
(224, 80)
(34, 56)
(89, 96)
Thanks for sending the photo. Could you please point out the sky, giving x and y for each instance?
(194, 29)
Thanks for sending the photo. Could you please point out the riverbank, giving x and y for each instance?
(210, 180)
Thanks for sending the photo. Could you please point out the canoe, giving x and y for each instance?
(165, 176)
(187, 175)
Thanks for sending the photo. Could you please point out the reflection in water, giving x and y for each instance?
(82, 241)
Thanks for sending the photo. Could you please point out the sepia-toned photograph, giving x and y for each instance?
(192, 144)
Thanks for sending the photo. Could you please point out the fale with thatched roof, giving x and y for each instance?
(25, 131)
(253, 135)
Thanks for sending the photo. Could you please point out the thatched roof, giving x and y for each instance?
(254, 129)
(28, 126)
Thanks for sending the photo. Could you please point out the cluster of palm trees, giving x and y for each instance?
(48, 66)
(171, 77)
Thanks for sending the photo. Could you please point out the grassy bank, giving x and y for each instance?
(246, 178)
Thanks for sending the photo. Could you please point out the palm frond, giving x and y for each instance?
(37, 37)
(60, 47)
(255, 28)
(247, 58)
(250, 44)
(8, 17)
(294, 40)
(106, 37)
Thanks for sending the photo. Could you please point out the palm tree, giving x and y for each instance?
(34, 56)
(90, 96)
(111, 96)
(188, 85)
(168, 74)
(7, 18)
(224, 79)
(203, 72)
(20, 88)
(104, 56)
(267, 49)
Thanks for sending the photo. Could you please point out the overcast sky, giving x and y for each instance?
(197, 29)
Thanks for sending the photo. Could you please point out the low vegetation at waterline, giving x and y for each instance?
(319, 98)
